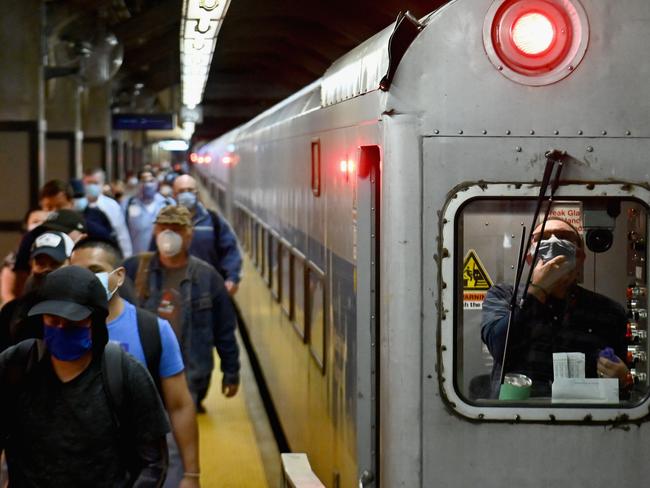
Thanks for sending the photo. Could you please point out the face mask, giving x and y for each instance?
(103, 278)
(67, 343)
(169, 243)
(93, 190)
(554, 247)
(149, 190)
(187, 199)
(80, 204)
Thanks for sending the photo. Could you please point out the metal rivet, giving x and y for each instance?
(628, 133)
(436, 131)
(500, 68)
(590, 149)
(570, 68)
(556, 132)
(512, 235)
(532, 132)
(484, 132)
(518, 149)
(579, 132)
(604, 132)
(460, 132)
(507, 132)
(486, 224)
(512, 266)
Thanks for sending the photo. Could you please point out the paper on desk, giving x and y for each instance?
(568, 365)
(585, 390)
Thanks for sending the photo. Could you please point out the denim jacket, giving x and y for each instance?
(208, 319)
(224, 255)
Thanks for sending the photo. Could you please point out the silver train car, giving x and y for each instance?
(379, 204)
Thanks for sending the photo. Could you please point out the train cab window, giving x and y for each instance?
(578, 333)
(286, 282)
(316, 314)
(298, 280)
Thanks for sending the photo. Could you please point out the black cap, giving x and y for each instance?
(57, 245)
(71, 292)
(65, 220)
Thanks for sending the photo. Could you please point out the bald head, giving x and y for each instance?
(184, 183)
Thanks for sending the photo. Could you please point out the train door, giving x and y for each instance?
(367, 279)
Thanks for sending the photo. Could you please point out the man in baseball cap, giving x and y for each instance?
(62, 429)
(49, 252)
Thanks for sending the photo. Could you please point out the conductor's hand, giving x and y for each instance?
(229, 390)
(611, 369)
(554, 274)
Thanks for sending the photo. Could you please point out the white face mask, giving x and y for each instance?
(103, 278)
(169, 243)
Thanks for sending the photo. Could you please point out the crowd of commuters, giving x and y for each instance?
(112, 305)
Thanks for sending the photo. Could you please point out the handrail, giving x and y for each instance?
(297, 473)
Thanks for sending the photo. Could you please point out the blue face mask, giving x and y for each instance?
(149, 190)
(80, 204)
(93, 190)
(67, 343)
(103, 278)
(187, 199)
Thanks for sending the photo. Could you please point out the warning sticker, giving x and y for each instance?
(476, 281)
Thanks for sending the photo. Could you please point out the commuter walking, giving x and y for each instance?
(192, 296)
(213, 240)
(94, 181)
(151, 341)
(79, 412)
(141, 210)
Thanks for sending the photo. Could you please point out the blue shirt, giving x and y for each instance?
(140, 218)
(124, 330)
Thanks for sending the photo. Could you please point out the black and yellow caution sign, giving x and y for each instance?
(475, 278)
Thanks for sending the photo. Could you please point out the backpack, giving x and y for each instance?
(149, 334)
(29, 353)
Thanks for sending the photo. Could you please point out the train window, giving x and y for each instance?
(270, 257)
(578, 334)
(299, 296)
(253, 240)
(286, 283)
(274, 258)
(316, 314)
(261, 249)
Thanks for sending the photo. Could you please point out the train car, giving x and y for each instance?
(379, 205)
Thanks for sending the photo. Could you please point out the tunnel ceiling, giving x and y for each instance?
(266, 49)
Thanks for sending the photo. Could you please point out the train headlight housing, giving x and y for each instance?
(535, 42)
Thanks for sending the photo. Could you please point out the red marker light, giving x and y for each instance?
(207, 159)
(199, 159)
(344, 166)
(194, 157)
(226, 160)
(533, 34)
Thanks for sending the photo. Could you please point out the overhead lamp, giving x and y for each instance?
(200, 24)
(174, 145)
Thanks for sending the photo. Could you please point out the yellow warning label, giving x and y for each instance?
(475, 278)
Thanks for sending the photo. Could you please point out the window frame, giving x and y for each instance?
(316, 175)
(448, 317)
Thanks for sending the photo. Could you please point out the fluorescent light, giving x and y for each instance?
(174, 145)
(200, 26)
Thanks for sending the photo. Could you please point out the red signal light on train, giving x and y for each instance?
(207, 159)
(194, 157)
(200, 160)
(535, 42)
(533, 34)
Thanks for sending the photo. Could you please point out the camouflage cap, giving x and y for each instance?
(175, 214)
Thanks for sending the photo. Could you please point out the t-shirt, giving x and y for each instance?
(63, 434)
(124, 331)
(171, 301)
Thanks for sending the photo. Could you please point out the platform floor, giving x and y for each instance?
(237, 446)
